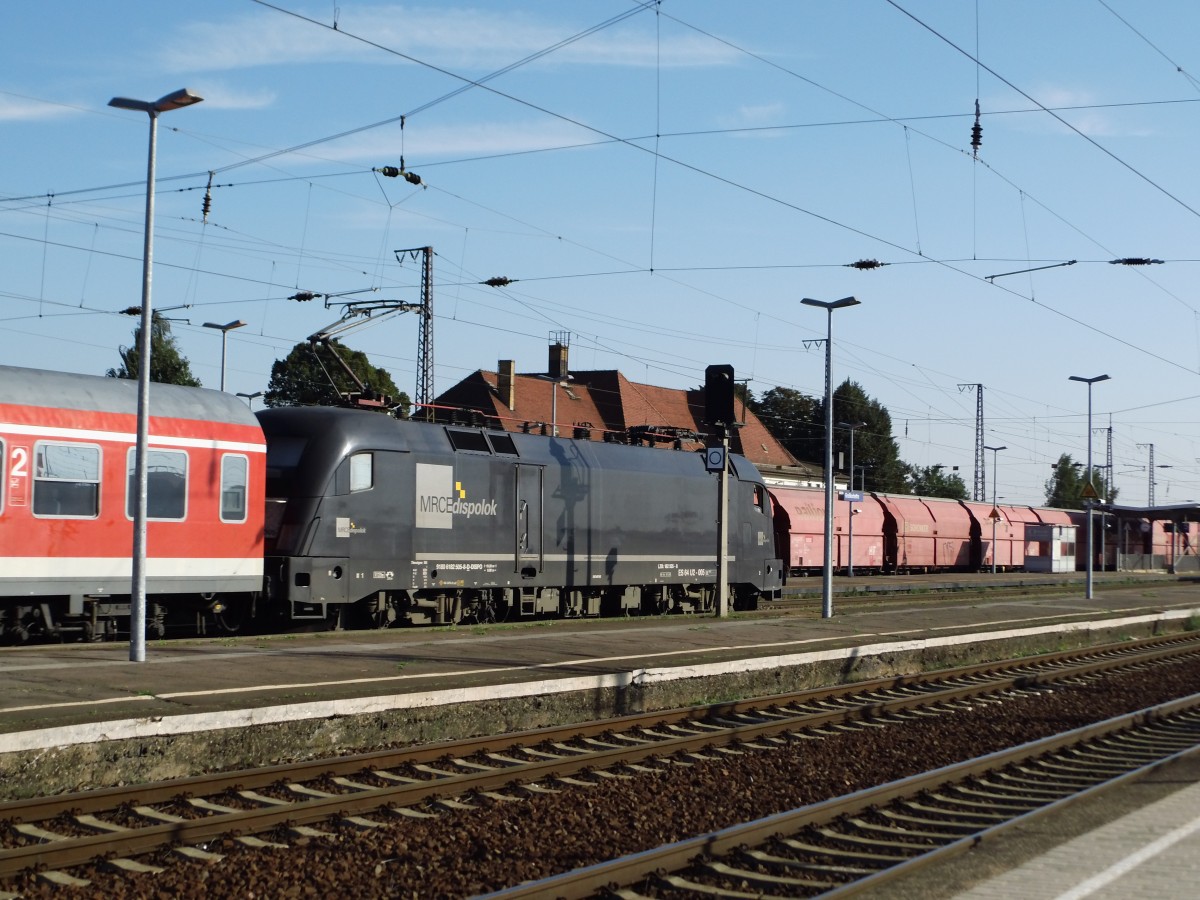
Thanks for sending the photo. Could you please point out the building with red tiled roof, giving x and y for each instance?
(605, 405)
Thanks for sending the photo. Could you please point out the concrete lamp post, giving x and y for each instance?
(852, 427)
(224, 329)
(995, 511)
(1088, 500)
(137, 604)
(827, 572)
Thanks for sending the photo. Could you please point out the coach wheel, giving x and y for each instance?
(230, 619)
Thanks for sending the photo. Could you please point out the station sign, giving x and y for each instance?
(852, 496)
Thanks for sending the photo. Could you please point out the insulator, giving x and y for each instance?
(303, 296)
(207, 205)
(865, 264)
(412, 177)
(976, 131)
(389, 171)
(498, 281)
(1135, 261)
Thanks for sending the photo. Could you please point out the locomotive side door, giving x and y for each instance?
(528, 520)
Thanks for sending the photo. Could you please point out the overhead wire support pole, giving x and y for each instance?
(424, 397)
(979, 492)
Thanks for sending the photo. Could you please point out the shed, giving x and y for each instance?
(1049, 548)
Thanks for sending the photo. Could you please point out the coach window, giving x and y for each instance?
(235, 478)
(66, 480)
(362, 472)
(166, 484)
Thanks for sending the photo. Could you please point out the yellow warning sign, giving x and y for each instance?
(1089, 492)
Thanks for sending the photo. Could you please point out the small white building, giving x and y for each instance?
(1049, 548)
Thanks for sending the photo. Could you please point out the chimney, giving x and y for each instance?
(558, 369)
(506, 382)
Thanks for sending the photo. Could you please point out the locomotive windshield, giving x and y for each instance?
(284, 453)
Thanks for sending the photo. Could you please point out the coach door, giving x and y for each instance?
(529, 520)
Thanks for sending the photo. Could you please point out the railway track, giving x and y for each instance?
(856, 843)
(371, 791)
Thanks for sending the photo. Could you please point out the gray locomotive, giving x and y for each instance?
(373, 521)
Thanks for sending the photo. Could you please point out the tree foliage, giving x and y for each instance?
(1064, 488)
(934, 481)
(167, 364)
(310, 375)
(795, 419)
(798, 422)
(875, 450)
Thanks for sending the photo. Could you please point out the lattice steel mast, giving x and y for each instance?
(979, 492)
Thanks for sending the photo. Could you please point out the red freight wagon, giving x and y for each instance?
(67, 446)
(799, 515)
(912, 532)
(1008, 551)
(867, 537)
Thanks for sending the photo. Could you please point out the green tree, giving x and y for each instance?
(167, 364)
(1064, 489)
(794, 419)
(874, 447)
(311, 375)
(933, 481)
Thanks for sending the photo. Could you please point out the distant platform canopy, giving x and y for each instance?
(1174, 512)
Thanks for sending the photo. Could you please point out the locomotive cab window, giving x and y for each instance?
(362, 472)
(235, 479)
(759, 497)
(166, 484)
(66, 480)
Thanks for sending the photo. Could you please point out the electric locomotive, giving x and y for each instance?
(372, 521)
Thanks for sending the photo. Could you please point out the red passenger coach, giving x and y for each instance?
(67, 451)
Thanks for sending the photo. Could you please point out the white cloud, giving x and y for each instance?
(466, 38)
(19, 108)
(1096, 123)
(217, 94)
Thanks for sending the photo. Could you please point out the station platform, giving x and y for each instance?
(76, 715)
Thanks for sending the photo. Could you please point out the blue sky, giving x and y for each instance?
(664, 183)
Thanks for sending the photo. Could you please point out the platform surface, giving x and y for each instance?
(84, 692)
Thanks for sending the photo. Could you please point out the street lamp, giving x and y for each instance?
(554, 385)
(137, 604)
(250, 397)
(224, 329)
(852, 427)
(827, 572)
(995, 511)
(1089, 490)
